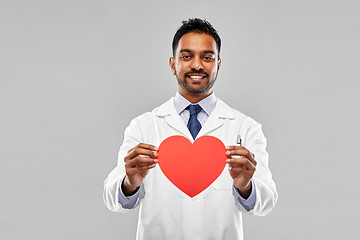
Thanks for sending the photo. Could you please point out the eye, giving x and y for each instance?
(185, 57)
(208, 59)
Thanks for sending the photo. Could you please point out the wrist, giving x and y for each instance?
(245, 191)
(127, 188)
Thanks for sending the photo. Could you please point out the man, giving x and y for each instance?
(245, 186)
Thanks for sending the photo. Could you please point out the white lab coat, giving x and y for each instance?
(166, 212)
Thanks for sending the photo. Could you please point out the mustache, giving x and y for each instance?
(196, 72)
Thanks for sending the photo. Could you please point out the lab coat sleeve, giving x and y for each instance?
(129, 202)
(112, 183)
(248, 203)
(266, 194)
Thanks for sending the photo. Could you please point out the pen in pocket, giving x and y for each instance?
(238, 141)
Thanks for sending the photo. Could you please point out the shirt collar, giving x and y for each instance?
(207, 104)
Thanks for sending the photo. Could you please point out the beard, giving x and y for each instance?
(184, 85)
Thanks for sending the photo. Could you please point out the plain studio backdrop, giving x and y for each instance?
(74, 73)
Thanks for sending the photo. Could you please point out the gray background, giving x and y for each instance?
(74, 73)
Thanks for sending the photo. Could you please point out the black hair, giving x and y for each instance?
(198, 26)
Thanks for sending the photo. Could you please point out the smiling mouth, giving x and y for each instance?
(196, 77)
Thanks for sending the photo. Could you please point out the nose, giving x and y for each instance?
(196, 64)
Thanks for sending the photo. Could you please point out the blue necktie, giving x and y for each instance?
(194, 125)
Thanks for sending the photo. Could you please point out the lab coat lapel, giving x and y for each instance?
(172, 118)
(217, 118)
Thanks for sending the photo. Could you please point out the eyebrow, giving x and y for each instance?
(209, 51)
(189, 51)
(185, 50)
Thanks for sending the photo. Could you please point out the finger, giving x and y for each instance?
(141, 161)
(250, 165)
(131, 150)
(241, 162)
(148, 146)
(144, 146)
(140, 164)
(233, 147)
(144, 168)
(236, 169)
(141, 151)
(240, 151)
(127, 157)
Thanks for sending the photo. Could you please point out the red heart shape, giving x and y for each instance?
(192, 167)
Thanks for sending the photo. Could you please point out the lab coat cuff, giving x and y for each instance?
(248, 203)
(128, 202)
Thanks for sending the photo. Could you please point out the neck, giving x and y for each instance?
(195, 98)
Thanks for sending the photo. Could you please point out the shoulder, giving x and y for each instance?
(147, 117)
(235, 114)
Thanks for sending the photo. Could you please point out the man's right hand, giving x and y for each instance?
(137, 164)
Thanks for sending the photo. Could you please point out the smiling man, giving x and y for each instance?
(245, 185)
(196, 66)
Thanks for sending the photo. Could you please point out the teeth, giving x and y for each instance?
(196, 77)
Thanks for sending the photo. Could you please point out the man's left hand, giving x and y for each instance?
(242, 166)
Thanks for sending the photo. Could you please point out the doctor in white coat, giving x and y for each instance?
(244, 186)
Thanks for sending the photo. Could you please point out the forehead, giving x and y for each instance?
(197, 42)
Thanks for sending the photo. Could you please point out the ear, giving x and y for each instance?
(219, 64)
(172, 65)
